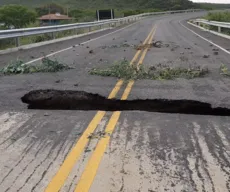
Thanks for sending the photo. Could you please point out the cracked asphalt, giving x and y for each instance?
(146, 152)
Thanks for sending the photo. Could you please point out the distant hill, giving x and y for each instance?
(120, 4)
(214, 6)
(126, 4)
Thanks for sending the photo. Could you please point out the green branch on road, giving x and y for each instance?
(224, 70)
(121, 70)
(47, 65)
(124, 70)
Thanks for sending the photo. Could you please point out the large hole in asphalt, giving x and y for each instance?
(80, 100)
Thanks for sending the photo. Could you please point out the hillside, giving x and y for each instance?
(120, 4)
(126, 4)
(213, 6)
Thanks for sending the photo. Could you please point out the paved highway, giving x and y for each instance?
(132, 151)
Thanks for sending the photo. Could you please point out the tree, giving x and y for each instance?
(17, 16)
(82, 15)
(50, 8)
(176, 7)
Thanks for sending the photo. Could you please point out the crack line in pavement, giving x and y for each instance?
(80, 100)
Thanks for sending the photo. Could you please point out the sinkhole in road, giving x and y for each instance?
(80, 100)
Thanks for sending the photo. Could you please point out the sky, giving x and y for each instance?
(213, 1)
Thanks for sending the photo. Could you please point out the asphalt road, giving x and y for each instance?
(132, 150)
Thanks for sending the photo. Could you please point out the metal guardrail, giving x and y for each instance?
(213, 22)
(42, 30)
(220, 25)
(17, 33)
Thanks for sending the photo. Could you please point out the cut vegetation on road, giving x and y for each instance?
(47, 65)
(224, 70)
(124, 70)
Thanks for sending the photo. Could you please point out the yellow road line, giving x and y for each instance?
(145, 51)
(93, 164)
(139, 51)
(115, 89)
(59, 179)
(91, 168)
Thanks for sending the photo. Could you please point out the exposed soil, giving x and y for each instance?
(156, 44)
(80, 100)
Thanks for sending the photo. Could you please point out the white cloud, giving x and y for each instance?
(213, 1)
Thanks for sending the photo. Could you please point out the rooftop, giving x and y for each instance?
(56, 16)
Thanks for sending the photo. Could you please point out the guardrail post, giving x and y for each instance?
(90, 29)
(219, 29)
(17, 41)
(53, 35)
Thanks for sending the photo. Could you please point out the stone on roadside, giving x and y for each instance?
(57, 81)
(215, 49)
(206, 56)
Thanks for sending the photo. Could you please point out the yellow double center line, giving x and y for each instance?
(91, 168)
